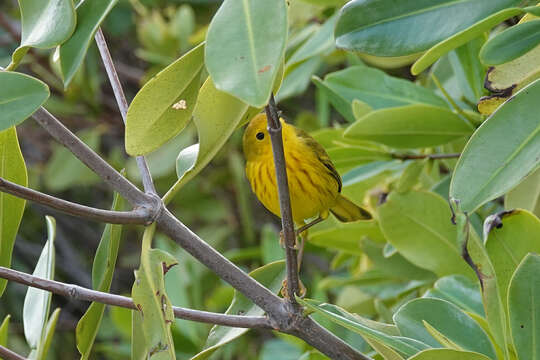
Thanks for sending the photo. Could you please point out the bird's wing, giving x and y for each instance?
(320, 153)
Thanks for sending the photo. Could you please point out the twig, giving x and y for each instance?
(136, 216)
(274, 129)
(112, 177)
(425, 156)
(10, 29)
(147, 181)
(76, 292)
(7, 354)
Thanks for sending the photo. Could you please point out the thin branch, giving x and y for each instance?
(76, 292)
(274, 129)
(7, 354)
(451, 101)
(147, 181)
(426, 156)
(6, 24)
(112, 177)
(137, 216)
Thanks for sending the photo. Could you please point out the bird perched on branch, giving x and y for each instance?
(314, 183)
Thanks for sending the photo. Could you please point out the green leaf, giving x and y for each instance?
(508, 244)
(448, 354)
(500, 153)
(410, 176)
(20, 96)
(412, 126)
(243, 60)
(469, 71)
(456, 326)
(271, 276)
(12, 168)
(493, 306)
(297, 78)
(511, 43)
(348, 157)
(45, 24)
(90, 14)
(150, 298)
(397, 28)
(407, 347)
(45, 344)
(375, 88)
(4, 330)
(464, 36)
(163, 107)
(526, 195)
(418, 225)
(346, 237)
(321, 42)
(64, 170)
(37, 302)
(523, 303)
(216, 115)
(360, 109)
(460, 291)
(102, 274)
(270, 249)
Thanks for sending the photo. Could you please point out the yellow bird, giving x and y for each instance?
(314, 183)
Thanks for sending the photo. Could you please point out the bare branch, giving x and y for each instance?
(176, 230)
(426, 156)
(76, 292)
(7, 354)
(147, 181)
(137, 216)
(274, 129)
(112, 177)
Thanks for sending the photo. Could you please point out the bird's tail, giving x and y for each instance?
(345, 210)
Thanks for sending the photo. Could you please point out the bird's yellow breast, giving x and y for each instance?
(312, 188)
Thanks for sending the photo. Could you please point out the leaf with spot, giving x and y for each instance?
(501, 152)
(151, 300)
(12, 168)
(243, 60)
(163, 107)
(523, 305)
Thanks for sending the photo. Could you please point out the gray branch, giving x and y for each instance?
(147, 181)
(287, 224)
(7, 354)
(137, 216)
(76, 292)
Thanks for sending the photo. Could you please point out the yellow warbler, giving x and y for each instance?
(314, 183)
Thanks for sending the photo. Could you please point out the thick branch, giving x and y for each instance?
(274, 129)
(112, 177)
(426, 156)
(137, 216)
(7, 354)
(147, 181)
(76, 292)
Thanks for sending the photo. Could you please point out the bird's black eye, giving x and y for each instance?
(260, 136)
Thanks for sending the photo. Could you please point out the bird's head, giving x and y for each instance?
(256, 140)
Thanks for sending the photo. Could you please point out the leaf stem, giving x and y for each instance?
(76, 292)
(287, 224)
(140, 215)
(451, 101)
(147, 181)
